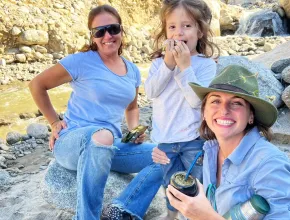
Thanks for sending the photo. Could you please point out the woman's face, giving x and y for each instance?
(107, 44)
(227, 115)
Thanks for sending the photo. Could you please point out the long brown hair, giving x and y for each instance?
(206, 133)
(200, 12)
(95, 12)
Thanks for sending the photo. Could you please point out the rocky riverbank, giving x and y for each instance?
(35, 34)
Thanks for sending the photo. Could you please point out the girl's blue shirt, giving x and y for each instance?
(99, 96)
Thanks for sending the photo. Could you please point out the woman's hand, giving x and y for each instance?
(168, 58)
(181, 55)
(140, 139)
(158, 156)
(197, 207)
(55, 129)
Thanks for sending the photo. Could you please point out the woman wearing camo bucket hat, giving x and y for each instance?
(239, 161)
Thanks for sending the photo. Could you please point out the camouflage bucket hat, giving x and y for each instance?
(239, 81)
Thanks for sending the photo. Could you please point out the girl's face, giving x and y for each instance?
(107, 44)
(180, 26)
(227, 116)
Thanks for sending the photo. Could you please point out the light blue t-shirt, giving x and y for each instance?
(99, 96)
(255, 167)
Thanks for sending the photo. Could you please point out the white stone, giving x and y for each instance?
(25, 49)
(15, 31)
(2, 62)
(20, 57)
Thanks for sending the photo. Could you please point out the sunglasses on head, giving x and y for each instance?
(100, 31)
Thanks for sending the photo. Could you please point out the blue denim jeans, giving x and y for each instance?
(75, 150)
(181, 156)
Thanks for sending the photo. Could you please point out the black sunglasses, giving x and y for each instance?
(100, 31)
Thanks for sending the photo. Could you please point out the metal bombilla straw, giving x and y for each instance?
(199, 154)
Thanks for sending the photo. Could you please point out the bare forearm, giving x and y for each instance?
(132, 118)
(43, 102)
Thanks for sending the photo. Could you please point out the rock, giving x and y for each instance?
(280, 52)
(4, 147)
(286, 74)
(13, 137)
(4, 177)
(286, 96)
(39, 49)
(2, 164)
(268, 47)
(37, 130)
(285, 4)
(25, 49)
(270, 88)
(31, 37)
(281, 127)
(59, 188)
(20, 57)
(280, 65)
(2, 62)
(15, 31)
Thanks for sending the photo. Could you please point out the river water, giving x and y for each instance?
(16, 99)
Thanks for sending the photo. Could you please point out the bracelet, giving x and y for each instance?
(54, 122)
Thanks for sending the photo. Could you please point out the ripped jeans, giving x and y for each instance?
(75, 150)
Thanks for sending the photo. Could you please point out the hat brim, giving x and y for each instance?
(265, 112)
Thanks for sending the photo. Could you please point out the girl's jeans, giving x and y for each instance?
(181, 156)
(75, 150)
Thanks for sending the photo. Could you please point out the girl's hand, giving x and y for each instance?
(197, 207)
(168, 58)
(140, 139)
(181, 55)
(158, 156)
(55, 129)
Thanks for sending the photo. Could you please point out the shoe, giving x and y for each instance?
(115, 213)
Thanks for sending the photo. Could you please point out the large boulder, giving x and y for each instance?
(270, 88)
(285, 4)
(59, 188)
(279, 53)
(214, 6)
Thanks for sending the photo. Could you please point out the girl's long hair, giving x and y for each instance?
(200, 12)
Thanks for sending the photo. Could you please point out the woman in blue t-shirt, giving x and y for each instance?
(105, 86)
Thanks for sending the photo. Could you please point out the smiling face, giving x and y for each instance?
(180, 26)
(227, 116)
(108, 44)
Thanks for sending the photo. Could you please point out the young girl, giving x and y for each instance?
(176, 108)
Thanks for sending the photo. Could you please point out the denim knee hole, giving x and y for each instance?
(101, 141)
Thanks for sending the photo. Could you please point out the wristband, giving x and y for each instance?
(54, 121)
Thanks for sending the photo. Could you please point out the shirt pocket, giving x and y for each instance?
(237, 177)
